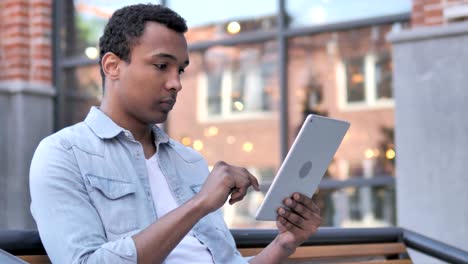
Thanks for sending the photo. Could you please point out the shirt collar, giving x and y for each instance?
(103, 126)
(160, 135)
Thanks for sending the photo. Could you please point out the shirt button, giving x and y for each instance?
(129, 253)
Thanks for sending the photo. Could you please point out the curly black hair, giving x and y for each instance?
(127, 25)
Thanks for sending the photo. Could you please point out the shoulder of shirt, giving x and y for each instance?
(187, 153)
(79, 135)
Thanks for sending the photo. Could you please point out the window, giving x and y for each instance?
(355, 83)
(237, 82)
(321, 12)
(383, 77)
(365, 81)
(226, 11)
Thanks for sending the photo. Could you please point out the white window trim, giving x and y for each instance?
(226, 113)
(370, 100)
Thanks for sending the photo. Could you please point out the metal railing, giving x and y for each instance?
(27, 242)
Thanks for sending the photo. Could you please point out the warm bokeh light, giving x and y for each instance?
(357, 78)
(239, 105)
(211, 131)
(247, 147)
(390, 154)
(186, 141)
(233, 27)
(197, 145)
(91, 52)
(369, 153)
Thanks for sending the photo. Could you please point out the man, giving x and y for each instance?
(116, 189)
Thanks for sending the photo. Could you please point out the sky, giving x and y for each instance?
(303, 12)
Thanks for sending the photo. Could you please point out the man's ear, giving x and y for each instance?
(110, 65)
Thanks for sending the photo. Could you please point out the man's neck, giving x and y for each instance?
(141, 132)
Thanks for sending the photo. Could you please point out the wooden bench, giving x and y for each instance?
(369, 253)
(328, 246)
(385, 253)
(334, 245)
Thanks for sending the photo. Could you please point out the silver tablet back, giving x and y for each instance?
(306, 162)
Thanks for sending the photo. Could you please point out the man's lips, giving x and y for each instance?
(167, 104)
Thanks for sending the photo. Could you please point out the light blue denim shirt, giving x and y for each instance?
(90, 193)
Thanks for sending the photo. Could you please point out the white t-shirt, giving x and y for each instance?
(190, 249)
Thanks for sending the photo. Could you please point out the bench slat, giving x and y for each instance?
(308, 252)
(36, 259)
(312, 252)
(388, 261)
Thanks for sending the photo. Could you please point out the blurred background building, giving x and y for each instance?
(258, 68)
(254, 76)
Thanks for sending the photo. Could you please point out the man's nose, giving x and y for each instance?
(173, 82)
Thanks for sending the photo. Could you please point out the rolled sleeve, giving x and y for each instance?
(69, 225)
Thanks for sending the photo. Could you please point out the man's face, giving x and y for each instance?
(147, 87)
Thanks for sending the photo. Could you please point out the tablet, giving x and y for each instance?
(305, 164)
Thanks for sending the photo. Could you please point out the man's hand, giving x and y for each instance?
(296, 223)
(225, 180)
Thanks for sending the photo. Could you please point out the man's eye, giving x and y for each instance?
(160, 66)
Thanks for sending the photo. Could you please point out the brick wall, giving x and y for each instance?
(437, 12)
(26, 42)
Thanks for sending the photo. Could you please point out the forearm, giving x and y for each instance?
(273, 253)
(156, 242)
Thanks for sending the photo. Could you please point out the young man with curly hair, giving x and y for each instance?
(116, 189)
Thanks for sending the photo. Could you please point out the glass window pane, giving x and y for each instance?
(383, 76)
(85, 22)
(355, 80)
(259, 15)
(316, 12)
(207, 12)
(239, 80)
(328, 74)
(358, 206)
(248, 135)
(84, 89)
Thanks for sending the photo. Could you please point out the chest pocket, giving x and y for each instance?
(115, 202)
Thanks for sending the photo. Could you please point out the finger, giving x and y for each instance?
(298, 208)
(292, 218)
(306, 201)
(235, 200)
(286, 224)
(238, 195)
(254, 182)
(246, 178)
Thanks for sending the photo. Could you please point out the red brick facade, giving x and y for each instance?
(431, 12)
(26, 40)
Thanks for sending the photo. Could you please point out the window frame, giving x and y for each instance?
(370, 86)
